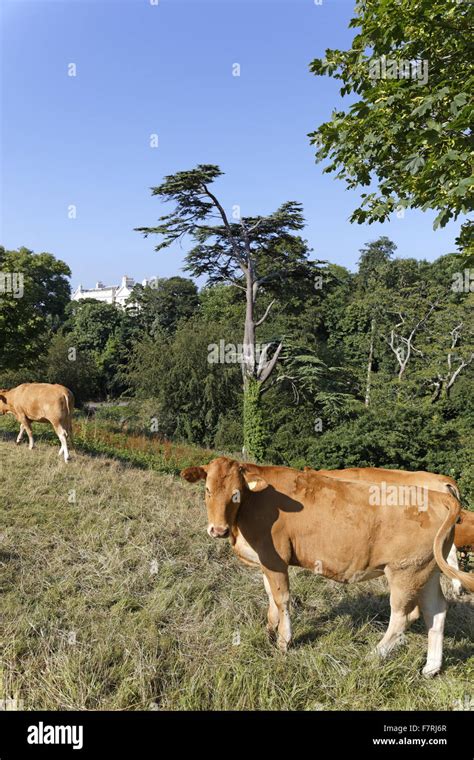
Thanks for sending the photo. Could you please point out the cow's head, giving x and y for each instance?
(228, 483)
(4, 405)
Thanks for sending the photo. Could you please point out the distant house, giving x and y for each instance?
(117, 294)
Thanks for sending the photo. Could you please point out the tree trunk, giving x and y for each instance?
(253, 421)
(369, 363)
(254, 430)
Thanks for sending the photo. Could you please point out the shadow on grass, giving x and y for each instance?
(7, 435)
(454, 655)
(7, 556)
(376, 607)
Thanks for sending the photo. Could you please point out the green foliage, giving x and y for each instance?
(164, 303)
(28, 321)
(191, 393)
(92, 323)
(229, 435)
(411, 133)
(76, 369)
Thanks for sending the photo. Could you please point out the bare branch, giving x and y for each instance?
(267, 311)
(269, 367)
(464, 363)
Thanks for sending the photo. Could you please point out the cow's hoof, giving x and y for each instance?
(430, 671)
(283, 646)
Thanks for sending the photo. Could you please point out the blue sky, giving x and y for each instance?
(167, 69)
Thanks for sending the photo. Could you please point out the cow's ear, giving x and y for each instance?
(254, 482)
(193, 474)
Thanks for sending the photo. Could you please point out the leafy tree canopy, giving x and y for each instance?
(408, 130)
(33, 297)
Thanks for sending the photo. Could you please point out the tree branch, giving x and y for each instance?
(271, 364)
(267, 311)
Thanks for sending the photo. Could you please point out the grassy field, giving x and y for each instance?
(114, 597)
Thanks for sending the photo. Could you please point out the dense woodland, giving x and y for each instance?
(375, 369)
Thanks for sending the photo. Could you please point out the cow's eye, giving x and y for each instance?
(208, 491)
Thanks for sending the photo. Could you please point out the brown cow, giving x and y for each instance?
(40, 402)
(276, 517)
(464, 530)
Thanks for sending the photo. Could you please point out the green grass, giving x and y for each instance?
(114, 597)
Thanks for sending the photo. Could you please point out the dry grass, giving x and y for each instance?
(119, 600)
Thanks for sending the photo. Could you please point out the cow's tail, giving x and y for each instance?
(69, 400)
(453, 489)
(454, 512)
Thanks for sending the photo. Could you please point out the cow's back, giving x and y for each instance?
(377, 475)
(44, 402)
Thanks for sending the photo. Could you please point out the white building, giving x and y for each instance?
(117, 294)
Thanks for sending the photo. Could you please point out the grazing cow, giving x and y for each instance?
(276, 517)
(427, 480)
(40, 402)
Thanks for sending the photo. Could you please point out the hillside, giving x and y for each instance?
(114, 597)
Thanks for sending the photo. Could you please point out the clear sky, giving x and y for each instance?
(166, 69)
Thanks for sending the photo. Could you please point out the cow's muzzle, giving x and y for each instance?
(216, 531)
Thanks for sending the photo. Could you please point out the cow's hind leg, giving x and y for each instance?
(452, 559)
(433, 606)
(280, 590)
(62, 435)
(403, 604)
(273, 616)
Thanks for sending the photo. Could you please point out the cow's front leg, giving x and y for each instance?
(280, 590)
(20, 434)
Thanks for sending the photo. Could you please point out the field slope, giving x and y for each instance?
(113, 597)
